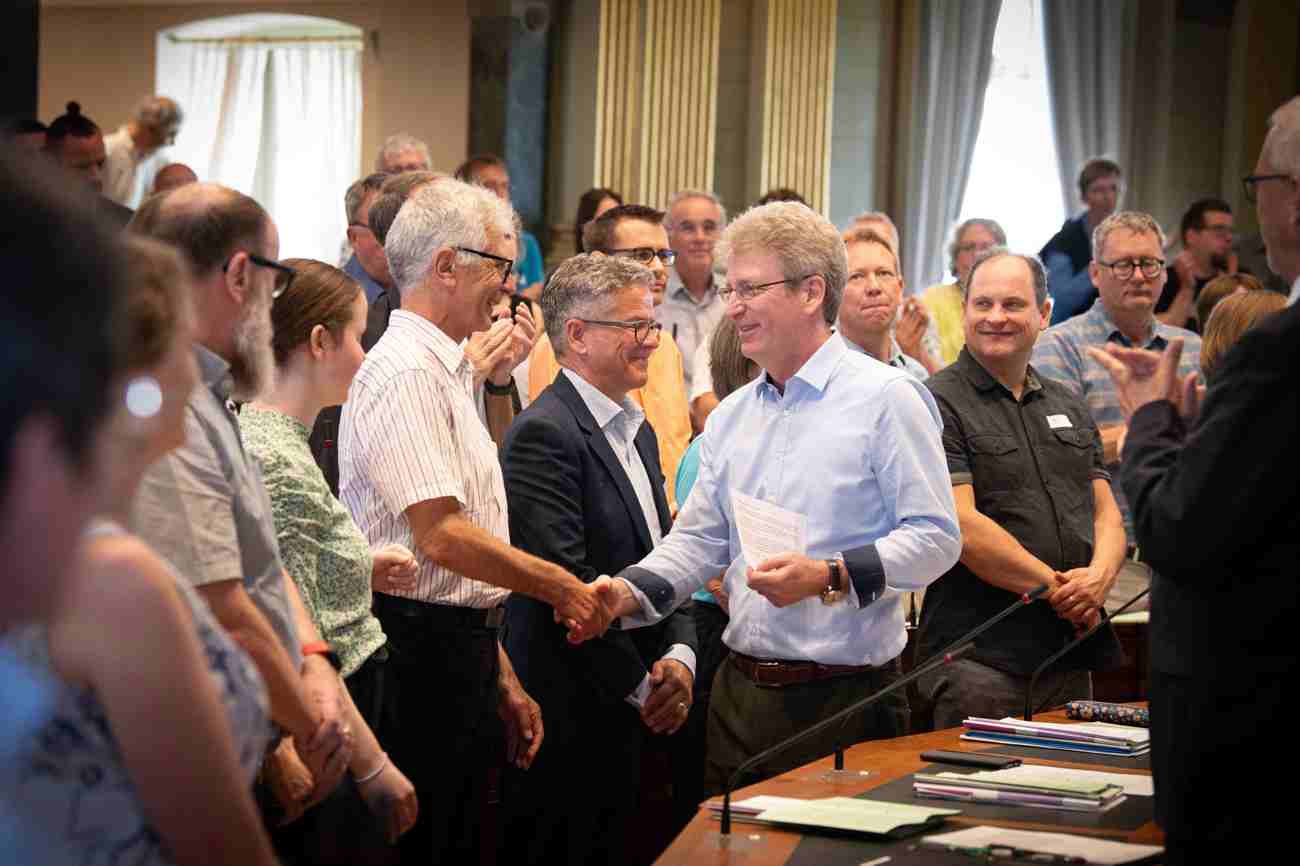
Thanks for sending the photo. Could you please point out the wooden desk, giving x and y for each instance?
(891, 759)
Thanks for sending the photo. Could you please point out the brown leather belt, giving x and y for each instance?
(775, 673)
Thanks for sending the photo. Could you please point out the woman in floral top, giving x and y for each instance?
(318, 322)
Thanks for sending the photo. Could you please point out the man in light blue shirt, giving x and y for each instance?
(872, 295)
(852, 446)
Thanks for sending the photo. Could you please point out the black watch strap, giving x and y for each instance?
(499, 390)
(836, 576)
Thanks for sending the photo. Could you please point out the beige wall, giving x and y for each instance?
(415, 74)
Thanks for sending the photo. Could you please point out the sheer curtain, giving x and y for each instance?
(953, 62)
(280, 121)
(1091, 62)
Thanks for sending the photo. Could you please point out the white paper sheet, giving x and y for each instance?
(766, 529)
(1132, 783)
(1091, 849)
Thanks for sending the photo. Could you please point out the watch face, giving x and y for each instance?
(830, 596)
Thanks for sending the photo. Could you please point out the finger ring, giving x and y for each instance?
(682, 706)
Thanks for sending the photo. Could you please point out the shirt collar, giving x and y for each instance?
(214, 371)
(895, 351)
(816, 371)
(431, 337)
(677, 289)
(603, 409)
(1100, 316)
(983, 380)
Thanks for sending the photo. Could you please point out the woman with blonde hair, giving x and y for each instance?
(1231, 319)
(160, 719)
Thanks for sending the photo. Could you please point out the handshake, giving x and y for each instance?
(587, 609)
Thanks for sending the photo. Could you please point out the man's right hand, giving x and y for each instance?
(584, 609)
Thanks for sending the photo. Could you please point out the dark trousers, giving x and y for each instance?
(966, 688)
(690, 746)
(1216, 741)
(745, 719)
(445, 674)
(340, 830)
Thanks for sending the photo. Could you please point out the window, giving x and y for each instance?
(1013, 176)
(273, 109)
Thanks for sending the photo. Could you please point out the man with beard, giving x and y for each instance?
(872, 296)
(203, 507)
(636, 232)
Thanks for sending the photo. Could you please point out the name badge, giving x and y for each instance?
(1056, 422)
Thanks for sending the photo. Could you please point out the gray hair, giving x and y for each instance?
(159, 112)
(684, 194)
(990, 226)
(1036, 270)
(1282, 144)
(395, 144)
(804, 241)
(582, 286)
(1131, 220)
(443, 215)
(356, 194)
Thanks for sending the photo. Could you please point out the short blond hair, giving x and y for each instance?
(870, 236)
(804, 241)
(1130, 220)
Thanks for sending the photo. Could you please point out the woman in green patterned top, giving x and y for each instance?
(318, 322)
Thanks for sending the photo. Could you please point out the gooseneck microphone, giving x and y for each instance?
(948, 654)
(1056, 656)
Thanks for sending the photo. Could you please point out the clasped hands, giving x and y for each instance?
(496, 352)
(1078, 595)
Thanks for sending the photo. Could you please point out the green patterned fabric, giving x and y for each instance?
(322, 548)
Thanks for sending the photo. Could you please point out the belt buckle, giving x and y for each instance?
(773, 666)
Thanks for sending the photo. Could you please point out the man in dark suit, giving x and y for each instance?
(1216, 509)
(585, 490)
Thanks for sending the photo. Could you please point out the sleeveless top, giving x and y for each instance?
(65, 793)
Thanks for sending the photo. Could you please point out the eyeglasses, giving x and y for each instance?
(283, 277)
(500, 264)
(1251, 181)
(745, 292)
(641, 328)
(973, 247)
(1125, 268)
(646, 255)
(884, 278)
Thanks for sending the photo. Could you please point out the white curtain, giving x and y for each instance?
(1091, 48)
(953, 62)
(280, 121)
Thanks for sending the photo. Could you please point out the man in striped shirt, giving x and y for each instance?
(1129, 270)
(417, 467)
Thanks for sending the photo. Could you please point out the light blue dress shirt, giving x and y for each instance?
(855, 446)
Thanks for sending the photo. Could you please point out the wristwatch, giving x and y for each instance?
(834, 590)
(498, 390)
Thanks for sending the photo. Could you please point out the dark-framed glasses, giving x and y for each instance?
(646, 255)
(747, 292)
(500, 264)
(283, 273)
(1251, 182)
(1125, 268)
(641, 328)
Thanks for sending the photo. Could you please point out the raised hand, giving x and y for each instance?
(1142, 376)
(487, 350)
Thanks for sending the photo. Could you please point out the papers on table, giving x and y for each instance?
(1095, 737)
(1090, 849)
(1030, 786)
(1137, 784)
(837, 813)
(766, 529)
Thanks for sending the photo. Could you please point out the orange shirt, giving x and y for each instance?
(663, 399)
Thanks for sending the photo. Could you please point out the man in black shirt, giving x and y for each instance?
(1206, 233)
(1035, 507)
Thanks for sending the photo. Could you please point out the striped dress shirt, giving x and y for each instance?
(410, 432)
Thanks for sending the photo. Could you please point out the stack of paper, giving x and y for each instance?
(1098, 738)
(1033, 786)
(838, 813)
(1032, 845)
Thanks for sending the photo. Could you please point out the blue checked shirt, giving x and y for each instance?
(855, 446)
(1060, 356)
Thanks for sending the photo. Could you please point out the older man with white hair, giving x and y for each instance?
(402, 152)
(839, 459)
(1214, 507)
(133, 151)
(418, 468)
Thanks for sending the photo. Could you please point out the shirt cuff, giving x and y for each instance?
(866, 573)
(653, 594)
(680, 652)
(640, 694)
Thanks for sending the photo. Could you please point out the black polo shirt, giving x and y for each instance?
(1032, 462)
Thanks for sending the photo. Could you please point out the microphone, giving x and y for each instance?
(1056, 656)
(950, 653)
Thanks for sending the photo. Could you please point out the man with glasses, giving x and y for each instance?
(418, 468)
(203, 506)
(1066, 255)
(586, 492)
(1206, 233)
(873, 293)
(367, 265)
(635, 232)
(134, 150)
(1129, 271)
(839, 458)
(691, 306)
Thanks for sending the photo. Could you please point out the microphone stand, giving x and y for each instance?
(1056, 656)
(948, 654)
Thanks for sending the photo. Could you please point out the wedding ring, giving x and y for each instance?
(682, 706)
